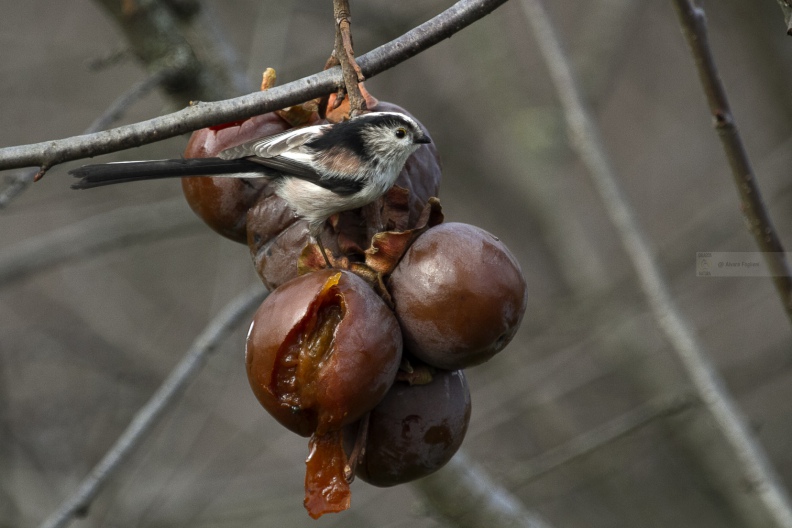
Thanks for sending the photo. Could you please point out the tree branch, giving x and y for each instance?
(464, 494)
(201, 115)
(694, 28)
(590, 441)
(174, 386)
(117, 108)
(117, 229)
(17, 183)
(765, 489)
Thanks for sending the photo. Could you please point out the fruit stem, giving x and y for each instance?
(345, 55)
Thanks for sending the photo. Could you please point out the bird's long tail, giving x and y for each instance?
(128, 171)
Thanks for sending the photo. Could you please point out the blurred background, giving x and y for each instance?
(586, 418)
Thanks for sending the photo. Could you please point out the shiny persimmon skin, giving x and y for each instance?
(415, 430)
(459, 295)
(323, 349)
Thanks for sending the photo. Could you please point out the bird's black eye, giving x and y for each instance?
(400, 133)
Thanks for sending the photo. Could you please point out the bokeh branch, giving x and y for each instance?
(17, 183)
(786, 8)
(117, 229)
(600, 436)
(136, 92)
(51, 153)
(178, 37)
(746, 453)
(694, 27)
(467, 497)
(234, 314)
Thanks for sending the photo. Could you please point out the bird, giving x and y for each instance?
(318, 170)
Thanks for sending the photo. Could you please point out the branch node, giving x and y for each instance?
(723, 119)
(42, 171)
(692, 22)
(81, 512)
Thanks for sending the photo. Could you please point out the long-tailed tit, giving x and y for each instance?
(319, 170)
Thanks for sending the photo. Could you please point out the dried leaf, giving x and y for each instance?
(268, 79)
(388, 247)
(336, 115)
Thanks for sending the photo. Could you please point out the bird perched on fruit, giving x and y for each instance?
(318, 170)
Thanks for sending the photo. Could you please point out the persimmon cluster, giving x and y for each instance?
(366, 358)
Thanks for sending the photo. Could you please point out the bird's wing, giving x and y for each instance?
(291, 164)
(284, 152)
(271, 146)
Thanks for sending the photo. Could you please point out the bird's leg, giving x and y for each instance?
(315, 230)
(380, 226)
(318, 239)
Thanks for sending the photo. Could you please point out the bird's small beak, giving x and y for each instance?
(423, 138)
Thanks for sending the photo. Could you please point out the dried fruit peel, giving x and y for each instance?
(388, 247)
(326, 486)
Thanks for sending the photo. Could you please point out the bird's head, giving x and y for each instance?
(389, 136)
(378, 141)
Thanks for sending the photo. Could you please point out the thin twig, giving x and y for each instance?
(694, 27)
(51, 153)
(17, 183)
(748, 454)
(117, 108)
(590, 441)
(603, 43)
(221, 52)
(345, 55)
(234, 314)
(117, 229)
(466, 496)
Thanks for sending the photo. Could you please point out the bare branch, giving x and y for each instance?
(117, 108)
(748, 455)
(99, 234)
(466, 496)
(17, 183)
(201, 115)
(694, 27)
(590, 441)
(234, 314)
